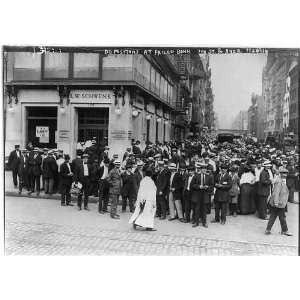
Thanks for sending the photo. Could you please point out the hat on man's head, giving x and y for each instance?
(267, 163)
(106, 161)
(140, 163)
(17, 146)
(78, 152)
(67, 157)
(172, 166)
(283, 170)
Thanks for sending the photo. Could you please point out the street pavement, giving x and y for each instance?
(42, 227)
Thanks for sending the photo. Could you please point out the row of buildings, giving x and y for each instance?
(58, 97)
(275, 112)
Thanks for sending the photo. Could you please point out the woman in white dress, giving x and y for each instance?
(145, 206)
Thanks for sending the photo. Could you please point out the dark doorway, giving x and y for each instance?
(93, 122)
(42, 118)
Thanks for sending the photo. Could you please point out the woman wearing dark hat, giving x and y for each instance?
(234, 191)
(247, 205)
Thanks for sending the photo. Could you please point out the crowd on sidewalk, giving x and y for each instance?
(190, 178)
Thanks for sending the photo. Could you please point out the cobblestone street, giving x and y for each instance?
(42, 227)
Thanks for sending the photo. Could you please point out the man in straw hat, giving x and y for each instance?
(278, 202)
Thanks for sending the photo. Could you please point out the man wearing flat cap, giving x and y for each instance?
(49, 172)
(266, 179)
(162, 181)
(278, 202)
(13, 163)
(129, 188)
(202, 185)
(115, 184)
(23, 171)
(34, 171)
(223, 185)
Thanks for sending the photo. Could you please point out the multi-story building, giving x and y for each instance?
(274, 89)
(294, 99)
(56, 98)
(240, 122)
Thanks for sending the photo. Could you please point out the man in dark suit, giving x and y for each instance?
(162, 185)
(34, 171)
(103, 187)
(13, 163)
(223, 185)
(115, 184)
(264, 189)
(66, 177)
(136, 148)
(129, 188)
(82, 175)
(49, 172)
(187, 192)
(175, 193)
(201, 185)
(23, 171)
(139, 174)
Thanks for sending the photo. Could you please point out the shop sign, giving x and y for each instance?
(64, 134)
(118, 134)
(86, 96)
(121, 135)
(42, 132)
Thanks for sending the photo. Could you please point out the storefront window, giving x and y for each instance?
(117, 67)
(157, 82)
(56, 65)
(27, 66)
(86, 65)
(152, 86)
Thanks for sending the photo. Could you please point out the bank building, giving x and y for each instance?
(58, 97)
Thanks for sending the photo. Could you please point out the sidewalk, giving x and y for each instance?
(241, 228)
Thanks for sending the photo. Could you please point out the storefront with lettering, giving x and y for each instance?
(52, 119)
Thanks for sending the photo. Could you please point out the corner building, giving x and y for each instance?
(59, 97)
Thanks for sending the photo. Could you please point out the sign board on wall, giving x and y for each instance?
(63, 134)
(98, 96)
(121, 135)
(42, 132)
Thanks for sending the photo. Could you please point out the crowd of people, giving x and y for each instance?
(181, 180)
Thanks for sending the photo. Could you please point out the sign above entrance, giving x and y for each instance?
(42, 132)
(97, 96)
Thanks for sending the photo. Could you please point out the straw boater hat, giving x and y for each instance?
(267, 163)
(172, 166)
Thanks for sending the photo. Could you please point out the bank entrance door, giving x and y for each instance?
(41, 126)
(93, 122)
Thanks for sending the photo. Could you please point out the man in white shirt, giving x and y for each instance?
(103, 187)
